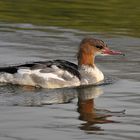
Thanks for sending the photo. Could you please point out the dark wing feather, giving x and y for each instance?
(13, 69)
(71, 67)
(62, 64)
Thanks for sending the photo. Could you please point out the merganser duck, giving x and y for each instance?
(61, 73)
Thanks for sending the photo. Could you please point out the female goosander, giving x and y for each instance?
(61, 73)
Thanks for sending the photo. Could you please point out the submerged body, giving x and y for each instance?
(60, 73)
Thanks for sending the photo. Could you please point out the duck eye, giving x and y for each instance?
(99, 47)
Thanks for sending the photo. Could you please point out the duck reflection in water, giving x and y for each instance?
(88, 112)
(85, 106)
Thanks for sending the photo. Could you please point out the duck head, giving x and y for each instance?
(91, 47)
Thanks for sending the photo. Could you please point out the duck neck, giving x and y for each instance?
(86, 60)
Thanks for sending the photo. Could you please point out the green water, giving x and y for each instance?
(111, 16)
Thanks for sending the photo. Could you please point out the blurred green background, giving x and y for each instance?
(112, 16)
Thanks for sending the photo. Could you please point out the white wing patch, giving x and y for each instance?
(44, 75)
(52, 77)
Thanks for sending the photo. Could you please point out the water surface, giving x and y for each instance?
(69, 113)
